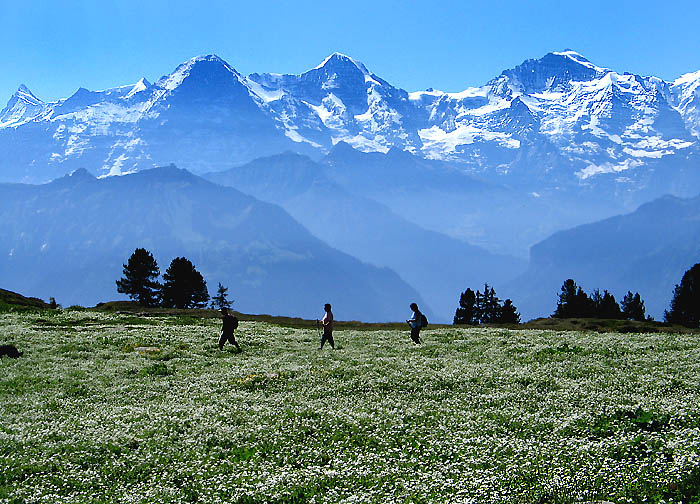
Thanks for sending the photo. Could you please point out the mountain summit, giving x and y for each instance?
(559, 121)
(23, 106)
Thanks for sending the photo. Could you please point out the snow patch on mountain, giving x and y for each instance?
(267, 94)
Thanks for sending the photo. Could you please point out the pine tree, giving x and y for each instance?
(220, 301)
(566, 305)
(140, 278)
(184, 286)
(490, 305)
(508, 313)
(685, 304)
(467, 312)
(608, 308)
(633, 307)
(483, 308)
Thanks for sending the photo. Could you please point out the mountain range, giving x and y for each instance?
(69, 239)
(430, 191)
(558, 121)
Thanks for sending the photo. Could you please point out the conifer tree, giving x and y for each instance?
(609, 309)
(567, 303)
(220, 300)
(633, 307)
(685, 304)
(139, 281)
(184, 286)
(508, 313)
(490, 305)
(467, 312)
(483, 308)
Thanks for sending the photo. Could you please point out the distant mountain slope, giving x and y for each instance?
(437, 266)
(69, 238)
(646, 251)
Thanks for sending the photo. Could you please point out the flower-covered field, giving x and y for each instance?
(472, 415)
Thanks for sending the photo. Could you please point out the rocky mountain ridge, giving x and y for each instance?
(555, 121)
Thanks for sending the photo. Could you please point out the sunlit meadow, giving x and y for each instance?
(473, 415)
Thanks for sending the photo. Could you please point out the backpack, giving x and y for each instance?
(423, 321)
(235, 322)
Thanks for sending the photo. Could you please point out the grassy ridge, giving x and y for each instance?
(12, 301)
(473, 415)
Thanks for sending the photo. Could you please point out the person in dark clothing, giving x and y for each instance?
(415, 323)
(229, 323)
(327, 322)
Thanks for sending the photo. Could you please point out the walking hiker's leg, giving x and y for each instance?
(222, 340)
(415, 335)
(330, 340)
(323, 339)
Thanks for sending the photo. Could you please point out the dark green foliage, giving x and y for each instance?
(184, 286)
(509, 313)
(633, 307)
(220, 300)
(12, 301)
(573, 302)
(685, 304)
(605, 306)
(140, 278)
(488, 305)
(486, 308)
(466, 313)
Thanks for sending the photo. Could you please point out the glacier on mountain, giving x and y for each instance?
(555, 120)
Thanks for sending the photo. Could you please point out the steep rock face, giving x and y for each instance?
(69, 239)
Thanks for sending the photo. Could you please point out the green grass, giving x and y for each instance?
(474, 415)
(11, 301)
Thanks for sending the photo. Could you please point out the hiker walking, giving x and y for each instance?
(327, 322)
(229, 323)
(415, 322)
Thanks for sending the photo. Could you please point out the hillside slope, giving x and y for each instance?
(68, 239)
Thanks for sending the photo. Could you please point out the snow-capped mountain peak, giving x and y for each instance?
(686, 94)
(339, 60)
(560, 117)
(27, 96)
(578, 58)
(689, 78)
(554, 71)
(206, 67)
(22, 107)
(139, 87)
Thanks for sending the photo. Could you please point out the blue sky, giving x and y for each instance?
(54, 47)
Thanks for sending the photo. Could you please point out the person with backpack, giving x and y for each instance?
(229, 323)
(327, 322)
(416, 322)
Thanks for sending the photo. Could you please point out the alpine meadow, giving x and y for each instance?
(368, 252)
(110, 407)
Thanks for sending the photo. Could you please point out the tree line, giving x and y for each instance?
(573, 302)
(485, 307)
(182, 287)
